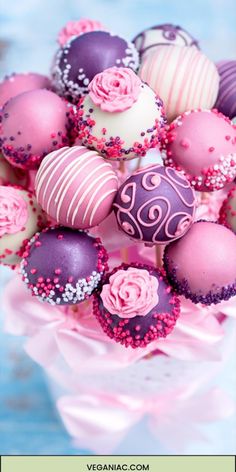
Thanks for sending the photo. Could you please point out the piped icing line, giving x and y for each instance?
(153, 322)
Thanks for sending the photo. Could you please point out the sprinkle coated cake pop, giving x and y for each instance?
(228, 210)
(15, 84)
(121, 117)
(155, 205)
(20, 218)
(183, 77)
(202, 265)
(136, 305)
(76, 187)
(162, 35)
(62, 266)
(33, 124)
(86, 55)
(202, 143)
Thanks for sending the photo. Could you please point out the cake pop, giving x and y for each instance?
(155, 205)
(78, 27)
(121, 117)
(15, 84)
(202, 265)
(76, 187)
(202, 143)
(183, 77)
(33, 124)
(136, 305)
(62, 266)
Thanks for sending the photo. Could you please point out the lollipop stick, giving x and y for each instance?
(122, 167)
(124, 254)
(139, 163)
(159, 249)
(204, 196)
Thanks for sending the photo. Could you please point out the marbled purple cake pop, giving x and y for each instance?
(136, 305)
(155, 205)
(85, 56)
(226, 100)
(62, 266)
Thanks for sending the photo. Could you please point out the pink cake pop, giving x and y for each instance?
(15, 84)
(202, 264)
(33, 124)
(76, 187)
(202, 143)
(78, 27)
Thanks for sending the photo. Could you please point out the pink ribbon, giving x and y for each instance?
(99, 422)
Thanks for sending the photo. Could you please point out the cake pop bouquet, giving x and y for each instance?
(114, 215)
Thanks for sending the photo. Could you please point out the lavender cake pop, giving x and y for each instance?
(162, 35)
(62, 266)
(86, 55)
(136, 305)
(155, 205)
(33, 124)
(226, 100)
(202, 265)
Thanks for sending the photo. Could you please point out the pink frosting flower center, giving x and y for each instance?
(13, 211)
(130, 293)
(115, 89)
(78, 27)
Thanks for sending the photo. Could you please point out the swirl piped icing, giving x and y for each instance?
(132, 292)
(13, 211)
(115, 89)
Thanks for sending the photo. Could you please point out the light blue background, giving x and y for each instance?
(28, 422)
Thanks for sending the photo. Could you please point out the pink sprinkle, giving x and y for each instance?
(211, 149)
(38, 244)
(57, 271)
(60, 236)
(33, 271)
(185, 143)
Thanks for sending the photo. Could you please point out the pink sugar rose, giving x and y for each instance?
(115, 89)
(130, 293)
(78, 27)
(13, 211)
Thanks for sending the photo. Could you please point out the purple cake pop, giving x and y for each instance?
(85, 56)
(62, 266)
(155, 205)
(136, 305)
(226, 100)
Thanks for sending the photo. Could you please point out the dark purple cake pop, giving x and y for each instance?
(155, 205)
(62, 266)
(136, 305)
(226, 100)
(86, 55)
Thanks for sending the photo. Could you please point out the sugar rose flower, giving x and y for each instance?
(115, 89)
(75, 28)
(13, 211)
(130, 293)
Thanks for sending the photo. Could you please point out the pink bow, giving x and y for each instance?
(99, 422)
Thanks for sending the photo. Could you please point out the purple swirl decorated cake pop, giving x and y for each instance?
(226, 100)
(136, 305)
(86, 55)
(155, 205)
(162, 35)
(62, 266)
(202, 265)
(33, 124)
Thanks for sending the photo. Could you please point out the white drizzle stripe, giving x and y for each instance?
(83, 183)
(99, 203)
(89, 189)
(95, 193)
(53, 168)
(49, 157)
(48, 166)
(69, 169)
